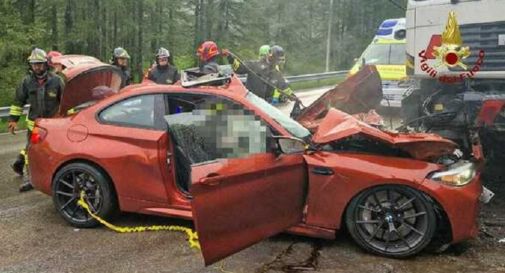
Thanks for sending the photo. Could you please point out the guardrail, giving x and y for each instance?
(4, 111)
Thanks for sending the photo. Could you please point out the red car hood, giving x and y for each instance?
(87, 79)
(359, 93)
(338, 125)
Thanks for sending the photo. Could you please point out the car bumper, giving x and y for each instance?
(461, 204)
(40, 168)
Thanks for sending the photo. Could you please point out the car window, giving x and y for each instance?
(376, 54)
(208, 128)
(397, 54)
(145, 111)
(383, 54)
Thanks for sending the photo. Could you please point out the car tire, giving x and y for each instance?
(73, 178)
(391, 220)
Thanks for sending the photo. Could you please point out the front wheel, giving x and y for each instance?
(75, 178)
(391, 220)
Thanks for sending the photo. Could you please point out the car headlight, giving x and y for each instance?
(458, 175)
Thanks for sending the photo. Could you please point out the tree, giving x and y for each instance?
(96, 27)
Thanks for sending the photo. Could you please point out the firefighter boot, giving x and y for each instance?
(27, 185)
(19, 165)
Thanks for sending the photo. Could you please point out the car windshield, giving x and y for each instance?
(295, 128)
(393, 54)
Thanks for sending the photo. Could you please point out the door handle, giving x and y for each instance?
(322, 171)
(209, 182)
(212, 179)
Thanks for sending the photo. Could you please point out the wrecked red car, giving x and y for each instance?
(209, 150)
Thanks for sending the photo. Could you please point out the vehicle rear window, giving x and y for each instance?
(145, 111)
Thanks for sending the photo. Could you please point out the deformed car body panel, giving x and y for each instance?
(338, 125)
(490, 112)
(359, 93)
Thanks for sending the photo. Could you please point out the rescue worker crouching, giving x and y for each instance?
(264, 77)
(41, 89)
(120, 59)
(164, 72)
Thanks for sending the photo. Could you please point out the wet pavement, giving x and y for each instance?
(34, 238)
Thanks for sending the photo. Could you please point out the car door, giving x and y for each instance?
(135, 127)
(243, 191)
(238, 202)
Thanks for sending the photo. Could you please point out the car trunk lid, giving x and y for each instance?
(87, 79)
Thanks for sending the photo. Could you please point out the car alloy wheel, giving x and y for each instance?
(391, 220)
(68, 184)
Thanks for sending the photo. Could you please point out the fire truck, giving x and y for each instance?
(456, 58)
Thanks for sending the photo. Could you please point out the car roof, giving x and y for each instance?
(234, 88)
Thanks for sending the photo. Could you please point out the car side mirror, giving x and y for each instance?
(291, 145)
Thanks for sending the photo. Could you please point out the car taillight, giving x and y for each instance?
(38, 135)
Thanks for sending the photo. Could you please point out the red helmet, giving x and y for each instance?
(207, 51)
(51, 55)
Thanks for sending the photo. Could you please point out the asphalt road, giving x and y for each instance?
(34, 238)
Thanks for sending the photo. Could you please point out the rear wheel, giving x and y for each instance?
(391, 220)
(98, 193)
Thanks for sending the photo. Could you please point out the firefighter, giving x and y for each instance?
(264, 77)
(42, 89)
(120, 59)
(277, 58)
(207, 53)
(164, 72)
(263, 52)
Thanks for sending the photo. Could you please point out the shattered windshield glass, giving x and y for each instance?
(295, 128)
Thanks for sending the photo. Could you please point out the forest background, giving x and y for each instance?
(96, 27)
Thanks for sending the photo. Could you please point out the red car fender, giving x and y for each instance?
(329, 195)
(460, 205)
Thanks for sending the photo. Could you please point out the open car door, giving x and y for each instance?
(240, 201)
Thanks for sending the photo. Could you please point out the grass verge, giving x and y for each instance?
(4, 124)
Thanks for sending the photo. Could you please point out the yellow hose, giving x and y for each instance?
(192, 236)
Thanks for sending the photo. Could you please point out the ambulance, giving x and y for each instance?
(387, 53)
